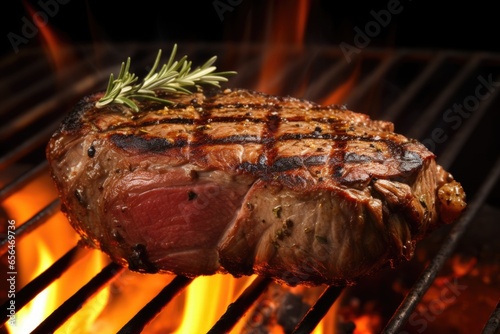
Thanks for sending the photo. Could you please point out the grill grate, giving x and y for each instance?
(412, 88)
(425, 280)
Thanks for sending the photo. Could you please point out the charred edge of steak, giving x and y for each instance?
(73, 120)
(126, 141)
(141, 144)
(139, 261)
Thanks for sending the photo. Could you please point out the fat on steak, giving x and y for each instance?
(241, 182)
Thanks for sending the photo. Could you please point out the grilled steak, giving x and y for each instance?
(241, 182)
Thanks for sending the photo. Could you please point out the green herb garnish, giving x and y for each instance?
(173, 77)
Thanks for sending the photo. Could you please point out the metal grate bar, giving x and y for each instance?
(38, 87)
(411, 300)
(493, 323)
(151, 310)
(320, 87)
(74, 303)
(318, 310)
(20, 73)
(29, 145)
(35, 286)
(28, 118)
(453, 148)
(237, 309)
(384, 66)
(293, 70)
(38, 66)
(431, 113)
(22, 180)
(411, 91)
(38, 219)
(27, 93)
(48, 105)
(245, 73)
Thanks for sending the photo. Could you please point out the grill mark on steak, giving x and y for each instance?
(127, 141)
(269, 139)
(141, 144)
(150, 123)
(337, 155)
(232, 119)
(267, 162)
(270, 166)
(198, 139)
(198, 135)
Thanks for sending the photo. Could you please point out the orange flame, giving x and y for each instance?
(53, 44)
(35, 311)
(340, 93)
(38, 250)
(207, 298)
(280, 34)
(368, 324)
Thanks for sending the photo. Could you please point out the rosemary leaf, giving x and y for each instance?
(175, 76)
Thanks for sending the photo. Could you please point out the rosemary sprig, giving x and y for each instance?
(173, 77)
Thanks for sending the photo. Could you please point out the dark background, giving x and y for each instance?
(420, 24)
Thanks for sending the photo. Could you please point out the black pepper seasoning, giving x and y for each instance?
(192, 195)
(91, 151)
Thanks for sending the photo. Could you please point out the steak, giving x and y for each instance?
(241, 182)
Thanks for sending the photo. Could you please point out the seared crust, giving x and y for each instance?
(269, 137)
(354, 195)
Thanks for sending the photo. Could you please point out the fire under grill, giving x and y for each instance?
(446, 99)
